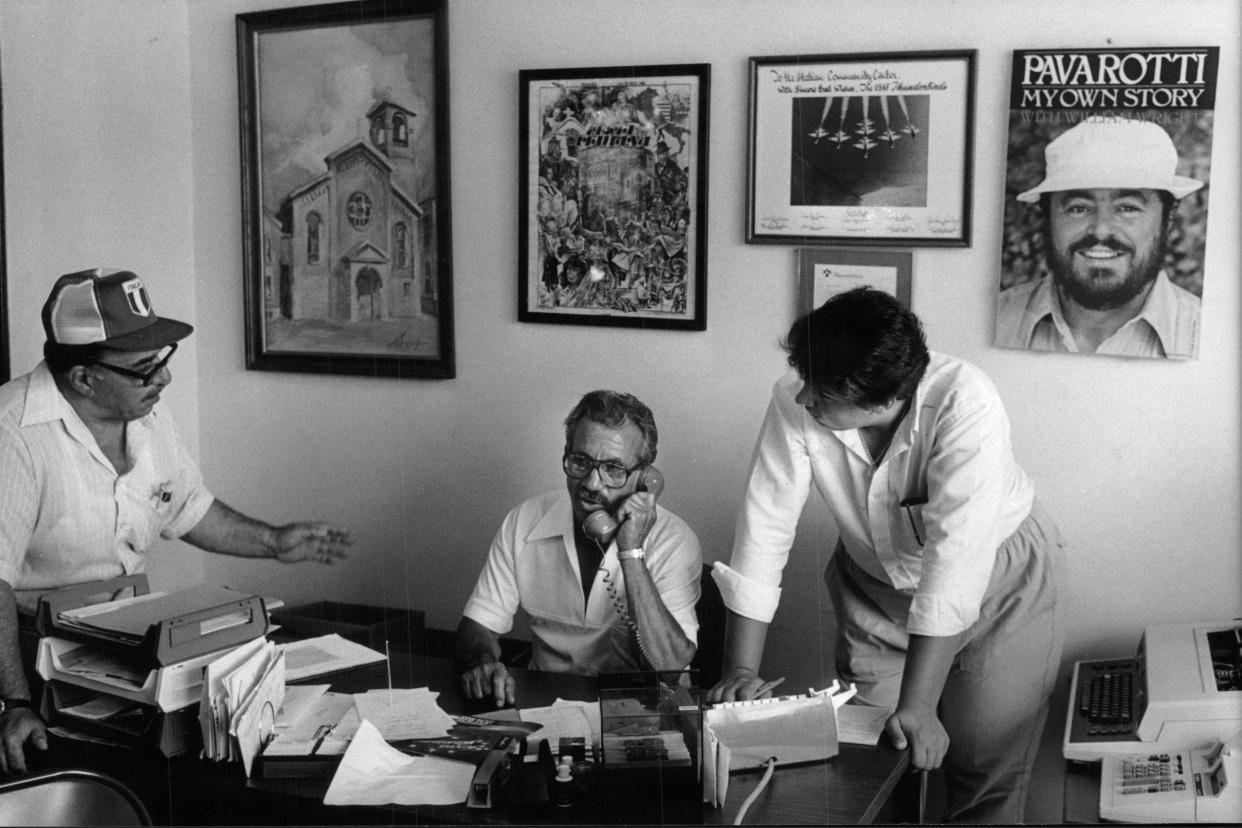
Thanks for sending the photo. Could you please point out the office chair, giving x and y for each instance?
(709, 657)
(69, 797)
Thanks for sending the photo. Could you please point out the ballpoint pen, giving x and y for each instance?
(769, 686)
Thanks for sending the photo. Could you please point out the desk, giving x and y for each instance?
(1082, 793)
(854, 787)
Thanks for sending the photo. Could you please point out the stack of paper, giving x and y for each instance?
(242, 692)
(325, 654)
(410, 713)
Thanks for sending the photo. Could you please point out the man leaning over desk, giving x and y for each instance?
(93, 472)
(618, 604)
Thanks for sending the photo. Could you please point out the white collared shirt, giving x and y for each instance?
(952, 448)
(1029, 316)
(66, 516)
(533, 564)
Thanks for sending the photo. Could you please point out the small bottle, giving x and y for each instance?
(564, 792)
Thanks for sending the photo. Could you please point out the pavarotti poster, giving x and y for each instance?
(1106, 201)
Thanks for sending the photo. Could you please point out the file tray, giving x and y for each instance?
(166, 688)
(132, 724)
(218, 619)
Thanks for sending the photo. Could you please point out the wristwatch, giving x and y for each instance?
(12, 704)
(631, 554)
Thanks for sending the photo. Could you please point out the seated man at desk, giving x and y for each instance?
(596, 603)
(93, 473)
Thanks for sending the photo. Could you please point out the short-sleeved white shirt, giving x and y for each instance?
(66, 516)
(532, 564)
(951, 450)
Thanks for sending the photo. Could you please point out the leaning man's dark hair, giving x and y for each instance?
(862, 346)
(614, 409)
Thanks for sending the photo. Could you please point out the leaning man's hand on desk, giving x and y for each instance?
(489, 679)
(739, 684)
(922, 732)
(17, 727)
(317, 542)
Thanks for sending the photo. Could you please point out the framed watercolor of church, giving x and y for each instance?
(345, 189)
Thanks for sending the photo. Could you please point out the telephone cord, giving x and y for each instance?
(624, 612)
(763, 783)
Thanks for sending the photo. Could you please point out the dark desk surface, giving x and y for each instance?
(854, 787)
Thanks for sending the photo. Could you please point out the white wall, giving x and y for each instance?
(1137, 460)
(97, 149)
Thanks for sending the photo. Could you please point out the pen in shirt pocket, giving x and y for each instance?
(164, 495)
(908, 504)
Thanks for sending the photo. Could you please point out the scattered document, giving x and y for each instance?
(373, 772)
(860, 724)
(98, 707)
(225, 682)
(310, 714)
(215, 709)
(103, 665)
(78, 613)
(253, 721)
(410, 713)
(325, 654)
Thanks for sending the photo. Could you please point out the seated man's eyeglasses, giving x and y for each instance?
(147, 376)
(613, 474)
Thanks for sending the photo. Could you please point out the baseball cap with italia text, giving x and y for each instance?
(110, 308)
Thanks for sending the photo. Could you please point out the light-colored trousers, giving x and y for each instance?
(995, 699)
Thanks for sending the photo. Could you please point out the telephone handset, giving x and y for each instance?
(602, 526)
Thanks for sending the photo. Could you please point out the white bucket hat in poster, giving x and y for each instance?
(1112, 153)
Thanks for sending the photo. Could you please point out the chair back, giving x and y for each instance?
(69, 797)
(709, 657)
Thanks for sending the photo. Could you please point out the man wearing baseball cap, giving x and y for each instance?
(93, 473)
(1108, 195)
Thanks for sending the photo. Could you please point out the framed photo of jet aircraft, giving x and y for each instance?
(345, 189)
(861, 149)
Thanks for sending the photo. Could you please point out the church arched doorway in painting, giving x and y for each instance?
(368, 286)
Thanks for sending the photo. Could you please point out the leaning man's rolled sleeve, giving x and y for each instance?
(746, 596)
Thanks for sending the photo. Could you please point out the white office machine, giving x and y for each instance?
(1182, 690)
(1195, 785)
